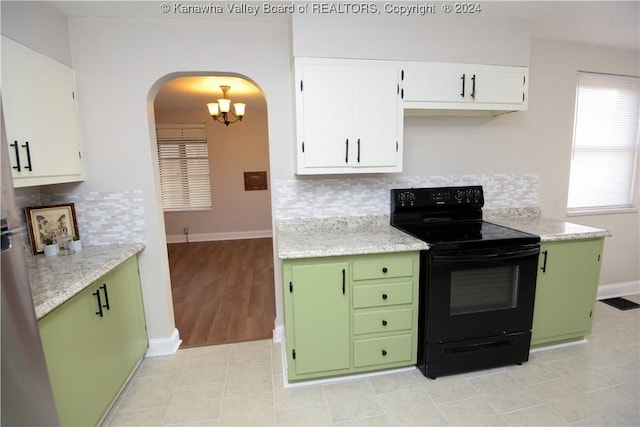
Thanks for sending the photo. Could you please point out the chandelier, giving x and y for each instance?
(221, 111)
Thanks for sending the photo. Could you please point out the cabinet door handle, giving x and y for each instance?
(544, 263)
(385, 296)
(463, 79)
(17, 151)
(344, 281)
(26, 145)
(384, 323)
(346, 156)
(97, 294)
(473, 87)
(384, 352)
(106, 296)
(384, 269)
(358, 150)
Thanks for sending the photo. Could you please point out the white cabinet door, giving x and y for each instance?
(325, 116)
(500, 85)
(348, 117)
(464, 87)
(436, 83)
(376, 121)
(40, 116)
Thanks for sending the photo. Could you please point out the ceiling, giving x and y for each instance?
(602, 23)
(192, 92)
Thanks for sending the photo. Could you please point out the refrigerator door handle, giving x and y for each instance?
(7, 233)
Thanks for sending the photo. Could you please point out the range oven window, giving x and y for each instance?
(484, 289)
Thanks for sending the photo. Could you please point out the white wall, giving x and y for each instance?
(241, 147)
(37, 25)
(465, 39)
(120, 66)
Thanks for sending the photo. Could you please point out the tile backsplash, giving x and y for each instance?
(103, 217)
(362, 196)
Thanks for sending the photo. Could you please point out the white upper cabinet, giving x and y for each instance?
(349, 117)
(41, 117)
(441, 87)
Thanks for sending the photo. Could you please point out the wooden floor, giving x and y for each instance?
(223, 291)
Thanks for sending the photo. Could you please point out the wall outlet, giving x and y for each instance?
(186, 230)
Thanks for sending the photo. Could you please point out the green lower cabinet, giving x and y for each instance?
(90, 357)
(351, 314)
(566, 290)
(320, 309)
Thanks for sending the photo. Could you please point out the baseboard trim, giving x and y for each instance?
(618, 289)
(278, 333)
(164, 346)
(213, 237)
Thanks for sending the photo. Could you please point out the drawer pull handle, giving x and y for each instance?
(384, 352)
(385, 296)
(384, 269)
(384, 323)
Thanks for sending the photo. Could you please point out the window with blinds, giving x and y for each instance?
(605, 143)
(183, 158)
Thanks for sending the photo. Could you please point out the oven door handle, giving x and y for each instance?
(498, 255)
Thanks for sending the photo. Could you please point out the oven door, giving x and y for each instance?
(478, 293)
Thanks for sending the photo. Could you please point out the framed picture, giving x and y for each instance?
(48, 222)
(255, 181)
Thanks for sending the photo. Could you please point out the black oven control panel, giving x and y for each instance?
(471, 196)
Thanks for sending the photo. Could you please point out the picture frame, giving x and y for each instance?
(50, 221)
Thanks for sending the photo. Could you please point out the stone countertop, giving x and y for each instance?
(57, 279)
(341, 236)
(549, 229)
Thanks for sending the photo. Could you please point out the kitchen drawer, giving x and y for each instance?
(382, 294)
(382, 321)
(383, 268)
(378, 351)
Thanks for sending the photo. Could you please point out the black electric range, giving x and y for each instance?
(477, 281)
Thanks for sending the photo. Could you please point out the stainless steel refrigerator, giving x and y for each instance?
(27, 399)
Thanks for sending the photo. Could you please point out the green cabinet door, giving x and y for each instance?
(78, 366)
(566, 289)
(123, 331)
(319, 306)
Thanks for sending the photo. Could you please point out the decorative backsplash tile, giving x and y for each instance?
(103, 217)
(354, 196)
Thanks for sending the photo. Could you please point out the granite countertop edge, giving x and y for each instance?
(55, 280)
(338, 236)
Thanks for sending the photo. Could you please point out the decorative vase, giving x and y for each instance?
(75, 245)
(51, 250)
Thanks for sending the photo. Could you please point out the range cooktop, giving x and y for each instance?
(451, 218)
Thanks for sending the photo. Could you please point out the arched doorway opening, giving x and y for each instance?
(220, 256)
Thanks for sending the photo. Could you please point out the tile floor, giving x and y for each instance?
(592, 384)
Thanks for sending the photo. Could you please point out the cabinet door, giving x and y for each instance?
(376, 116)
(436, 83)
(500, 85)
(40, 110)
(325, 116)
(320, 317)
(566, 290)
(77, 363)
(123, 331)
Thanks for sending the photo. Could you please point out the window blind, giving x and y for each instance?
(605, 142)
(183, 158)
